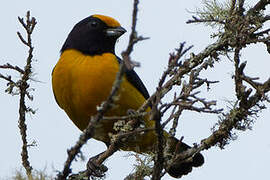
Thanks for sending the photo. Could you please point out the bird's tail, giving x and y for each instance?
(146, 142)
(178, 169)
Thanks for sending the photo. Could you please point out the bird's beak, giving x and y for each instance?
(115, 32)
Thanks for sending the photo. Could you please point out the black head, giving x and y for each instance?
(94, 35)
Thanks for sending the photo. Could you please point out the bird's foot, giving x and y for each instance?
(95, 169)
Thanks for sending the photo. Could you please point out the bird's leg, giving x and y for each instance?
(94, 168)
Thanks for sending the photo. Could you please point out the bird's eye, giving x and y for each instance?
(93, 24)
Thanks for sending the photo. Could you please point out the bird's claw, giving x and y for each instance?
(94, 169)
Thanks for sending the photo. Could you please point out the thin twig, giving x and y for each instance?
(131, 116)
(24, 86)
(159, 159)
(116, 144)
(232, 7)
(188, 65)
(133, 39)
(198, 20)
(259, 6)
(9, 66)
(7, 78)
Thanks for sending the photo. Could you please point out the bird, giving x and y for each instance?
(84, 75)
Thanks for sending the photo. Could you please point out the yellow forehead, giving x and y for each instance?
(107, 20)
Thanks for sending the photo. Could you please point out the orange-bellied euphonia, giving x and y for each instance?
(83, 77)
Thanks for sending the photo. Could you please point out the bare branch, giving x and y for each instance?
(8, 78)
(259, 7)
(159, 159)
(198, 20)
(29, 24)
(133, 39)
(232, 8)
(23, 87)
(9, 66)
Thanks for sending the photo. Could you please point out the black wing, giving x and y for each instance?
(135, 80)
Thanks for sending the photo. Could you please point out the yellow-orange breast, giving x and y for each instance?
(81, 83)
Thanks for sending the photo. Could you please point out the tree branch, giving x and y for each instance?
(23, 87)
